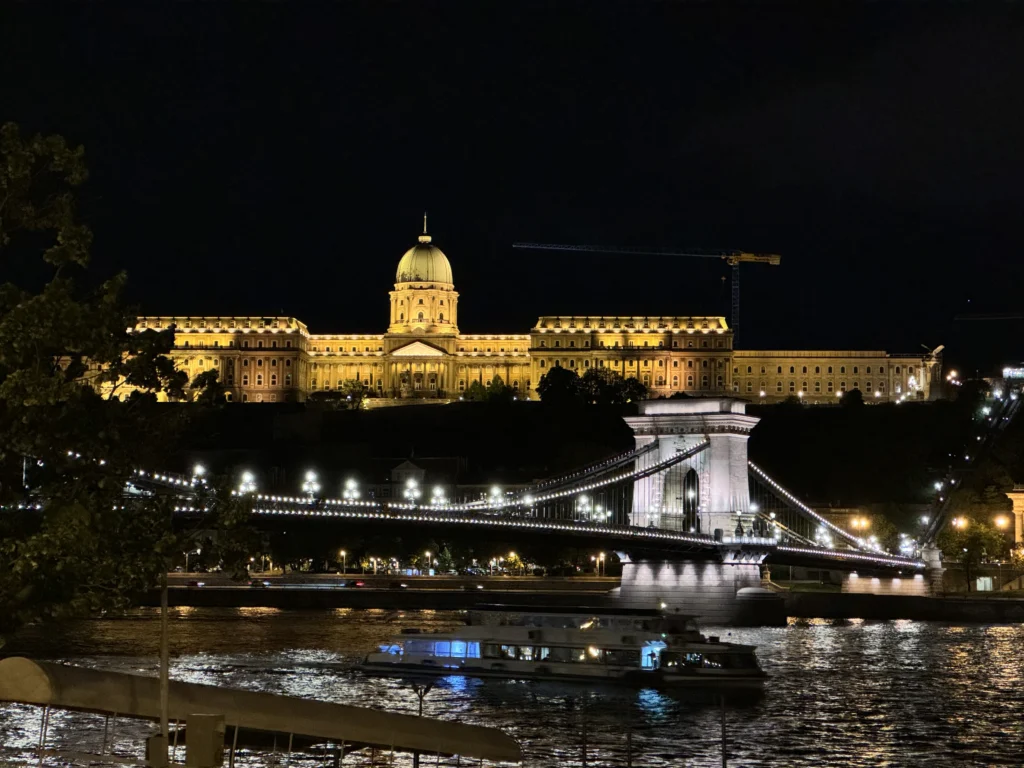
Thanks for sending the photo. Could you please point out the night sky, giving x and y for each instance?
(276, 158)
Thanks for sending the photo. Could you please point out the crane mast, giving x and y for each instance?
(732, 258)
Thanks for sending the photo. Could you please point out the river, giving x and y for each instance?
(849, 694)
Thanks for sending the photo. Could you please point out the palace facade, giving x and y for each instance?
(423, 354)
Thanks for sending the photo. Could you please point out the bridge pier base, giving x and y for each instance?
(915, 585)
(707, 589)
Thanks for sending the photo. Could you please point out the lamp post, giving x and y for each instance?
(351, 490)
(427, 553)
(412, 491)
(344, 561)
(247, 484)
(311, 485)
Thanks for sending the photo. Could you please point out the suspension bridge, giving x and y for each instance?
(693, 520)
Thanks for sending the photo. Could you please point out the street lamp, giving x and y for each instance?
(198, 471)
(427, 553)
(437, 496)
(248, 483)
(311, 485)
(351, 491)
(412, 491)
(960, 523)
(1002, 522)
(344, 561)
(511, 557)
(373, 561)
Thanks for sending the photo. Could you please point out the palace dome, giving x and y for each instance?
(424, 262)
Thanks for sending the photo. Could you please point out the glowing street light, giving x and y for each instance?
(311, 484)
(412, 491)
(1002, 522)
(351, 490)
(198, 470)
(344, 561)
(437, 496)
(925, 519)
(960, 523)
(248, 483)
(938, 485)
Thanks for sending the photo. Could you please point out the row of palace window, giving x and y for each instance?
(514, 385)
(259, 379)
(628, 324)
(419, 316)
(829, 387)
(817, 369)
(354, 349)
(245, 344)
(341, 382)
(402, 301)
(719, 364)
(719, 343)
(488, 349)
(217, 323)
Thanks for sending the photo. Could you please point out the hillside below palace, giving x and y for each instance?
(423, 354)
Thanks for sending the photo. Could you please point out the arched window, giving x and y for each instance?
(245, 363)
(675, 382)
(421, 301)
(719, 382)
(420, 316)
(259, 363)
(704, 382)
(441, 317)
(661, 381)
(675, 363)
(273, 363)
(541, 363)
(749, 369)
(273, 379)
(515, 385)
(287, 363)
(829, 387)
(803, 387)
(245, 379)
(792, 369)
(778, 387)
(689, 382)
(287, 379)
(259, 379)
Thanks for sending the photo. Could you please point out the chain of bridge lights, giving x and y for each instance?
(803, 507)
(591, 469)
(426, 515)
(890, 560)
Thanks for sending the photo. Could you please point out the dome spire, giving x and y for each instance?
(424, 238)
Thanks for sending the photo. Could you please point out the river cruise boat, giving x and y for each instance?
(646, 650)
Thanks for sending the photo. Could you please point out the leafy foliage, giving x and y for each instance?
(78, 406)
(598, 386)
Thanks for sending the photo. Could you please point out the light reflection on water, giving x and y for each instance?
(855, 693)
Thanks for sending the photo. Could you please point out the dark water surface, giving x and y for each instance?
(896, 693)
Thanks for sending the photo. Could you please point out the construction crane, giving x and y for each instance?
(732, 258)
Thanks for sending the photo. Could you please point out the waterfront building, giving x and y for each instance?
(423, 355)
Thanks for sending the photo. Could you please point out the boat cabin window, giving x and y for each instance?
(456, 649)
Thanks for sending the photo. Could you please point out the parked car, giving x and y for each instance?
(196, 583)
(259, 584)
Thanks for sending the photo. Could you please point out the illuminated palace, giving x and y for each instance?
(423, 355)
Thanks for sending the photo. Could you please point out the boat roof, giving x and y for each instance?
(114, 693)
(581, 610)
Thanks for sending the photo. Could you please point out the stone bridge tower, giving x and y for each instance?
(709, 492)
